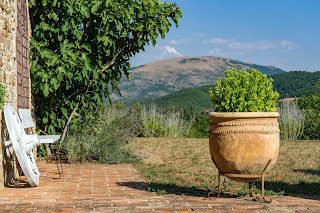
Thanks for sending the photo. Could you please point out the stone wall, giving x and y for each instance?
(8, 76)
(8, 66)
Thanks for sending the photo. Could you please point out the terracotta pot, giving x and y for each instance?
(242, 143)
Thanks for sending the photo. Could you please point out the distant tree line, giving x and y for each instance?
(296, 83)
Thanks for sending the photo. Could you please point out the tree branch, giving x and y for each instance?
(107, 66)
(67, 124)
(77, 92)
(114, 59)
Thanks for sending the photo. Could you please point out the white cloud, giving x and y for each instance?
(255, 45)
(173, 42)
(215, 51)
(226, 53)
(199, 35)
(288, 44)
(156, 53)
(180, 41)
(263, 45)
(168, 50)
(218, 41)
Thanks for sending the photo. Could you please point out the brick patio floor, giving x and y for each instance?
(120, 188)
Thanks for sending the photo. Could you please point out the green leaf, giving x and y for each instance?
(55, 83)
(44, 2)
(54, 3)
(95, 7)
(85, 11)
(64, 27)
(64, 111)
(153, 40)
(46, 90)
(78, 34)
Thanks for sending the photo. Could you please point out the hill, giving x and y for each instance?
(195, 99)
(163, 77)
(296, 83)
(289, 84)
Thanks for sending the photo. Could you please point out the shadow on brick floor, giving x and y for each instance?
(302, 189)
(17, 183)
(308, 171)
(159, 188)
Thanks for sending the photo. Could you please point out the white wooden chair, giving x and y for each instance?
(23, 143)
(27, 122)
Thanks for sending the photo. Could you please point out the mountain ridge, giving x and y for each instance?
(160, 78)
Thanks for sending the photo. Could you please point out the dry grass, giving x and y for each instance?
(183, 166)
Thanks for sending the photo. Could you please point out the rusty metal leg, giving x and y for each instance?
(218, 186)
(59, 164)
(251, 189)
(262, 177)
(262, 197)
(58, 169)
(219, 189)
(262, 184)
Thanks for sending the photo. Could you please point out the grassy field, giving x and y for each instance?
(183, 166)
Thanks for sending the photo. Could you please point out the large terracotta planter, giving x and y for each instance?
(242, 143)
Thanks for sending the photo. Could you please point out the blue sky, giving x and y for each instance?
(282, 33)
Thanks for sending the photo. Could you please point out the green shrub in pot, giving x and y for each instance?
(244, 132)
(244, 91)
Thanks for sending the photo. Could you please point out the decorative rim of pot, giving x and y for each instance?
(244, 114)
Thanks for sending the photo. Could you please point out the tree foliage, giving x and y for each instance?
(195, 100)
(244, 91)
(80, 49)
(296, 83)
(311, 106)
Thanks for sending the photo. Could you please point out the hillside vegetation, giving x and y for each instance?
(296, 83)
(163, 77)
(289, 84)
(196, 99)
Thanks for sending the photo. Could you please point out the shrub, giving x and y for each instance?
(103, 140)
(199, 127)
(291, 120)
(159, 124)
(311, 106)
(242, 91)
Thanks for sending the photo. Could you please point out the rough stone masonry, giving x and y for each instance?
(8, 76)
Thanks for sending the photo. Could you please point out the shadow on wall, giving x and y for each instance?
(10, 166)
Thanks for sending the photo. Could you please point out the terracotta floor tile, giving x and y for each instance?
(104, 188)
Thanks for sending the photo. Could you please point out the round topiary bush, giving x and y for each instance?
(244, 91)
